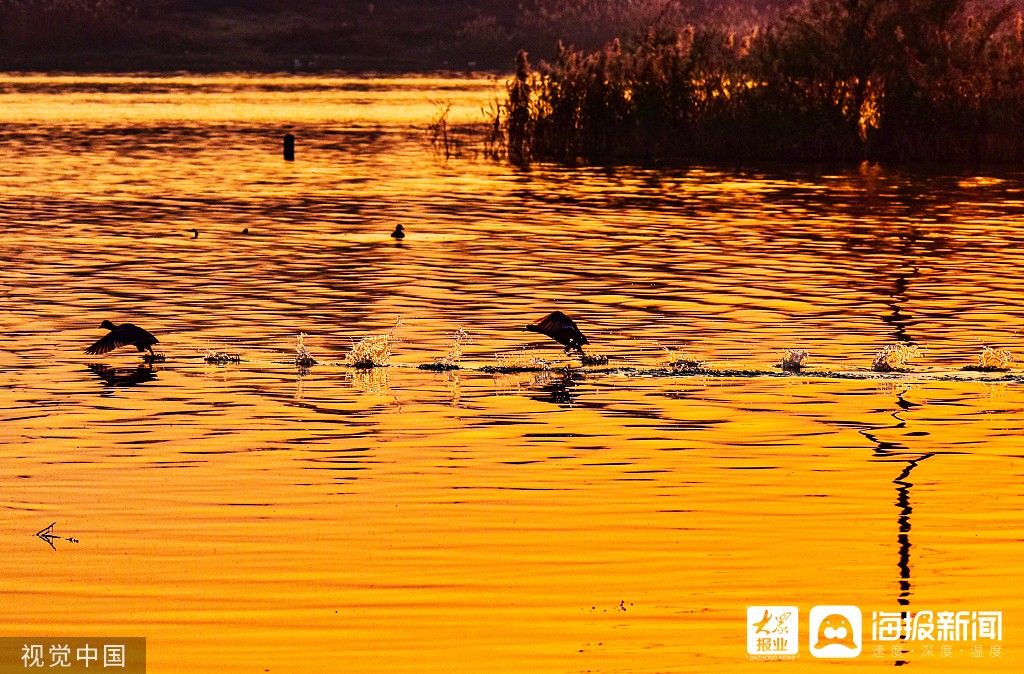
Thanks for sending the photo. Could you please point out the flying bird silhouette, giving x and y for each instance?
(399, 232)
(125, 334)
(562, 329)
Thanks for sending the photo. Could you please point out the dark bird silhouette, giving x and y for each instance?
(195, 233)
(245, 231)
(125, 334)
(562, 329)
(399, 232)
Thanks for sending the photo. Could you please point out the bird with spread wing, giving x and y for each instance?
(125, 334)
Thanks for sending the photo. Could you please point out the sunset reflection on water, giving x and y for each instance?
(262, 518)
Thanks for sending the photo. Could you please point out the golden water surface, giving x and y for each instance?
(253, 517)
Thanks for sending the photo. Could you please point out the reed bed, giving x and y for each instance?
(826, 80)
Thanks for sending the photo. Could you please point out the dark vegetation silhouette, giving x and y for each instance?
(316, 35)
(617, 80)
(897, 80)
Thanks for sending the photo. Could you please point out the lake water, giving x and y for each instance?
(253, 517)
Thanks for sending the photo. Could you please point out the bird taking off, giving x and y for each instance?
(562, 329)
(125, 334)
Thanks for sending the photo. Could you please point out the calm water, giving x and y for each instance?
(266, 519)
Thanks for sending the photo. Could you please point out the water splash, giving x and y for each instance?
(992, 360)
(682, 361)
(895, 357)
(220, 357)
(451, 360)
(792, 360)
(517, 361)
(374, 350)
(303, 358)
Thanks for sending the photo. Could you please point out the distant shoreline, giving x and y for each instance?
(211, 64)
(307, 37)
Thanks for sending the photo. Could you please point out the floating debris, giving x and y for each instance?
(895, 357)
(221, 357)
(792, 360)
(992, 360)
(303, 358)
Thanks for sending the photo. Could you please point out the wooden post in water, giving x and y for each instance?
(289, 147)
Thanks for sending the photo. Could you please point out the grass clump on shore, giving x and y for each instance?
(907, 80)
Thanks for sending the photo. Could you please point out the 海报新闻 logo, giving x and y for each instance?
(835, 631)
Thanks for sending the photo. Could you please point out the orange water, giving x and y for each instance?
(252, 517)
